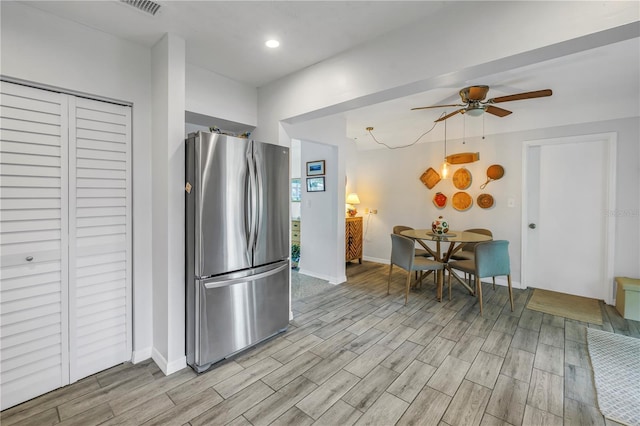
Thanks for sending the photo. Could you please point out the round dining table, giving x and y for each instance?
(455, 239)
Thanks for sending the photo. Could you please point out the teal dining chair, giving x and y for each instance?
(403, 255)
(419, 252)
(491, 259)
(466, 249)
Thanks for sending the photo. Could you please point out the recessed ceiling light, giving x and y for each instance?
(272, 43)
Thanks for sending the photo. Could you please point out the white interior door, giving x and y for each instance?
(568, 238)
(65, 229)
(99, 236)
(33, 242)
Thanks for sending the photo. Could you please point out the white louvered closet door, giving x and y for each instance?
(65, 229)
(99, 236)
(33, 232)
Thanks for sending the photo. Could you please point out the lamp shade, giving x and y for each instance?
(353, 198)
(444, 170)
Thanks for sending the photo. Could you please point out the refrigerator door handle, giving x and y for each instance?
(253, 201)
(260, 196)
(225, 283)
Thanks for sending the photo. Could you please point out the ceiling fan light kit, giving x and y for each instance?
(474, 112)
(474, 104)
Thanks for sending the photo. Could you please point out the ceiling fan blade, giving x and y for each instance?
(449, 115)
(437, 106)
(496, 111)
(520, 96)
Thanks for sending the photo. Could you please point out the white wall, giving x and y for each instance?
(43, 49)
(168, 77)
(213, 95)
(318, 224)
(388, 180)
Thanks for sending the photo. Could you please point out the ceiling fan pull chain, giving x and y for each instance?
(464, 130)
(482, 126)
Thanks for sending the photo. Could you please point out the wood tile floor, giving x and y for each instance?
(354, 355)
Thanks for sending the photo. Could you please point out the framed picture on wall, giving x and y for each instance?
(315, 184)
(315, 168)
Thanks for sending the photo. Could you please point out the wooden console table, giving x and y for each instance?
(353, 239)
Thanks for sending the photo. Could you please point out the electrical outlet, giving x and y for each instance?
(374, 211)
(366, 211)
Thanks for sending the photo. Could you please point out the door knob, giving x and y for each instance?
(532, 225)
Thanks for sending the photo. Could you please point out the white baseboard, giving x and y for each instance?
(141, 355)
(503, 282)
(331, 279)
(168, 367)
(340, 280)
(176, 365)
(376, 260)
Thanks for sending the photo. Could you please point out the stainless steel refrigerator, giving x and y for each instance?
(237, 245)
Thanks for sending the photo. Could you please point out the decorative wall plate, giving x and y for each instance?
(440, 200)
(462, 201)
(494, 172)
(463, 157)
(462, 178)
(485, 201)
(430, 178)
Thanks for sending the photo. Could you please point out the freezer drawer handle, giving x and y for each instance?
(217, 284)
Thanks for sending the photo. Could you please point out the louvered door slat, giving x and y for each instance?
(26, 280)
(101, 221)
(22, 170)
(22, 270)
(9, 215)
(30, 160)
(33, 225)
(100, 276)
(101, 155)
(29, 148)
(102, 146)
(30, 292)
(32, 138)
(30, 126)
(101, 183)
(28, 114)
(16, 330)
(97, 135)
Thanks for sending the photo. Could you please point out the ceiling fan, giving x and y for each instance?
(474, 103)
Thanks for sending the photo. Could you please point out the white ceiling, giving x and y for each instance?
(227, 37)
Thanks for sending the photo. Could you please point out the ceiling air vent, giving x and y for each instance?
(146, 6)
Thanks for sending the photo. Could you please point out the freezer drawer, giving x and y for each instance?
(236, 312)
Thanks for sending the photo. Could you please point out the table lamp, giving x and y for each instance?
(352, 200)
